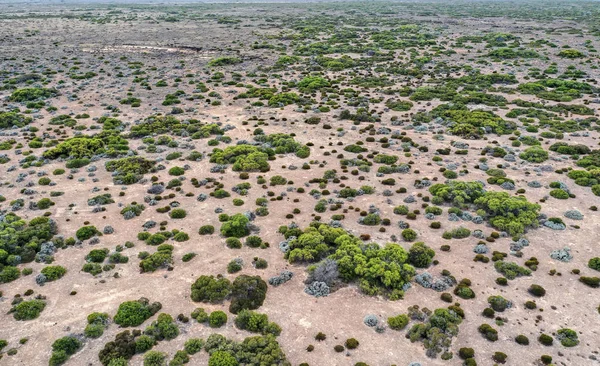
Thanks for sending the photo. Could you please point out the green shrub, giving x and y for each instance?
(129, 170)
(593, 282)
(13, 119)
(86, 232)
(234, 266)
(193, 345)
(498, 303)
(254, 241)
(188, 257)
(247, 292)
(96, 255)
(68, 344)
(256, 322)
(236, 226)
(32, 94)
(438, 330)
(222, 358)
(559, 194)
(155, 358)
(522, 340)
(177, 213)
(210, 289)
(511, 270)
(120, 350)
(143, 343)
(409, 234)
(398, 322)
(594, 263)
(499, 357)
(206, 230)
(28, 310)
(536, 290)
(458, 233)
(217, 319)
(176, 171)
(351, 343)
(53, 273)
(163, 257)
(233, 243)
(134, 313)
(488, 332)
(465, 353)
(420, 255)
(180, 358)
(567, 337)
(401, 210)
(200, 315)
(163, 328)
(534, 154)
(545, 339)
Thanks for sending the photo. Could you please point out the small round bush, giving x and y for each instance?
(545, 339)
(530, 305)
(143, 343)
(409, 234)
(176, 171)
(559, 194)
(53, 273)
(594, 263)
(217, 319)
(465, 353)
(489, 312)
(86, 232)
(446, 297)
(398, 322)
(567, 337)
(253, 241)
(536, 290)
(522, 340)
(351, 343)
(338, 348)
(206, 230)
(499, 357)
(178, 213)
(233, 243)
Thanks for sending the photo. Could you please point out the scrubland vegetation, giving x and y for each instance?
(300, 183)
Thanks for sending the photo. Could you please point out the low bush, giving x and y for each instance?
(217, 319)
(134, 313)
(398, 322)
(488, 332)
(28, 310)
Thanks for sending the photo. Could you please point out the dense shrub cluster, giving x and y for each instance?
(28, 310)
(134, 313)
(162, 258)
(251, 351)
(63, 348)
(129, 170)
(21, 241)
(378, 270)
(245, 292)
(256, 322)
(437, 330)
(235, 226)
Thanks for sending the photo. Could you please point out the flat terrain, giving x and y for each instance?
(354, 116)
